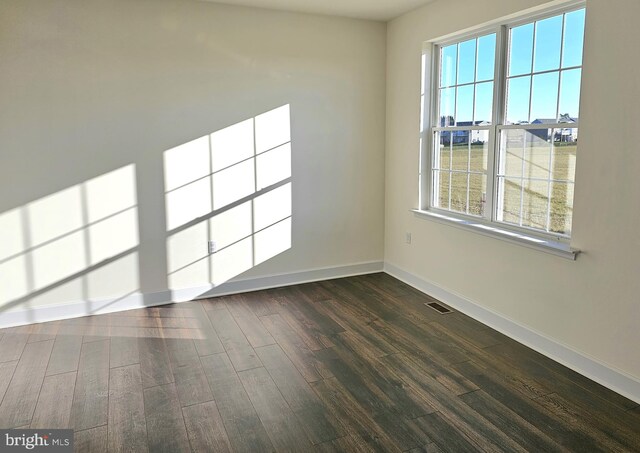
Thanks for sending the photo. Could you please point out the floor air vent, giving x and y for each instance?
(439, 308)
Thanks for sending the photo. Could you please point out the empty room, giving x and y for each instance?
(319, 226)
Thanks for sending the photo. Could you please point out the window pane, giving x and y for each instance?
(537, 153)
(484, 102)
(477, 194)
(444, 152)
(486, 57)
(520, 50)
(448, 66)
(479, 151)
(573, 39)
(518, 91)
(540, 156)
(447, 106)
(459, 192)
(535, 202)
(511, 152)
(464, 106)
(511, 191)
(561, 207)
(460, 150)
(544, 98)
(569, 94)
(466, 61)
(547, 49)
(441, 183)
(563, 161)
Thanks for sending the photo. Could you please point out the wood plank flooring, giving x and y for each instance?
(348, 365)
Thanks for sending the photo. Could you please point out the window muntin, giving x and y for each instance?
(505, 151)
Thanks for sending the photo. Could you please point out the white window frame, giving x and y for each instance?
(555, 243)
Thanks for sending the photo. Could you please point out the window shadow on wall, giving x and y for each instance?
(78, 244)
(228, 200)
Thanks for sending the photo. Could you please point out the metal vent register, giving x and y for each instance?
(439, 308)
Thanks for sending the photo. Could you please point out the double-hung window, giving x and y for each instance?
(502, 137)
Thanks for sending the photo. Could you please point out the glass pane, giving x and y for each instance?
(537, 153)
(569, 95)
(444, 153)
(535, 203)
(520, 50)
(464, 106)
(511, 152)
(459, 192)
(573, 39)
(561, 207)
(447, 106)
(547, 49)
(486, 57)
(484, 103)
(448, 66)
(460, 150)
(466, 61)
(441, 180)
(511, 191)
(544, 98)
(518, 91)
(479, 151)
(477, 194)
(563, 162)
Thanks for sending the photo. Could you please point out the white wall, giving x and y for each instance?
(91, 87)
(591, 305)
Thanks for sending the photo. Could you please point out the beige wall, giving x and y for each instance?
(590, 305)
(89, 87)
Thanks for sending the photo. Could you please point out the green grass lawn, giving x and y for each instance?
(538, 161)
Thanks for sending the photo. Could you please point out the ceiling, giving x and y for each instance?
(362, 9)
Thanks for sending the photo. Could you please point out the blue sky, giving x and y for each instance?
(534, 48)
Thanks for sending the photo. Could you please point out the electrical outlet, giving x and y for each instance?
(211, 247)
(407, 238)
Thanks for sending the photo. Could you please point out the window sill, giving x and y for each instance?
(543, 245)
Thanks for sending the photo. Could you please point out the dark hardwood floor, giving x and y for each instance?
(348, 365)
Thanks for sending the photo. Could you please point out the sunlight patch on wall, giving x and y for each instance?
(272, 240)
(188, 257)
(188, 190)
(232, 187)
(77, 244)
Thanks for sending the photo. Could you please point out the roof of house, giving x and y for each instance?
(472, 123)
(563, 119)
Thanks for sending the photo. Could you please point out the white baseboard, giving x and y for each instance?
(138, 300)
(82, 308)
(616, 380)
(277, 280)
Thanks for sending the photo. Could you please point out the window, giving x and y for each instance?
(504, 125)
